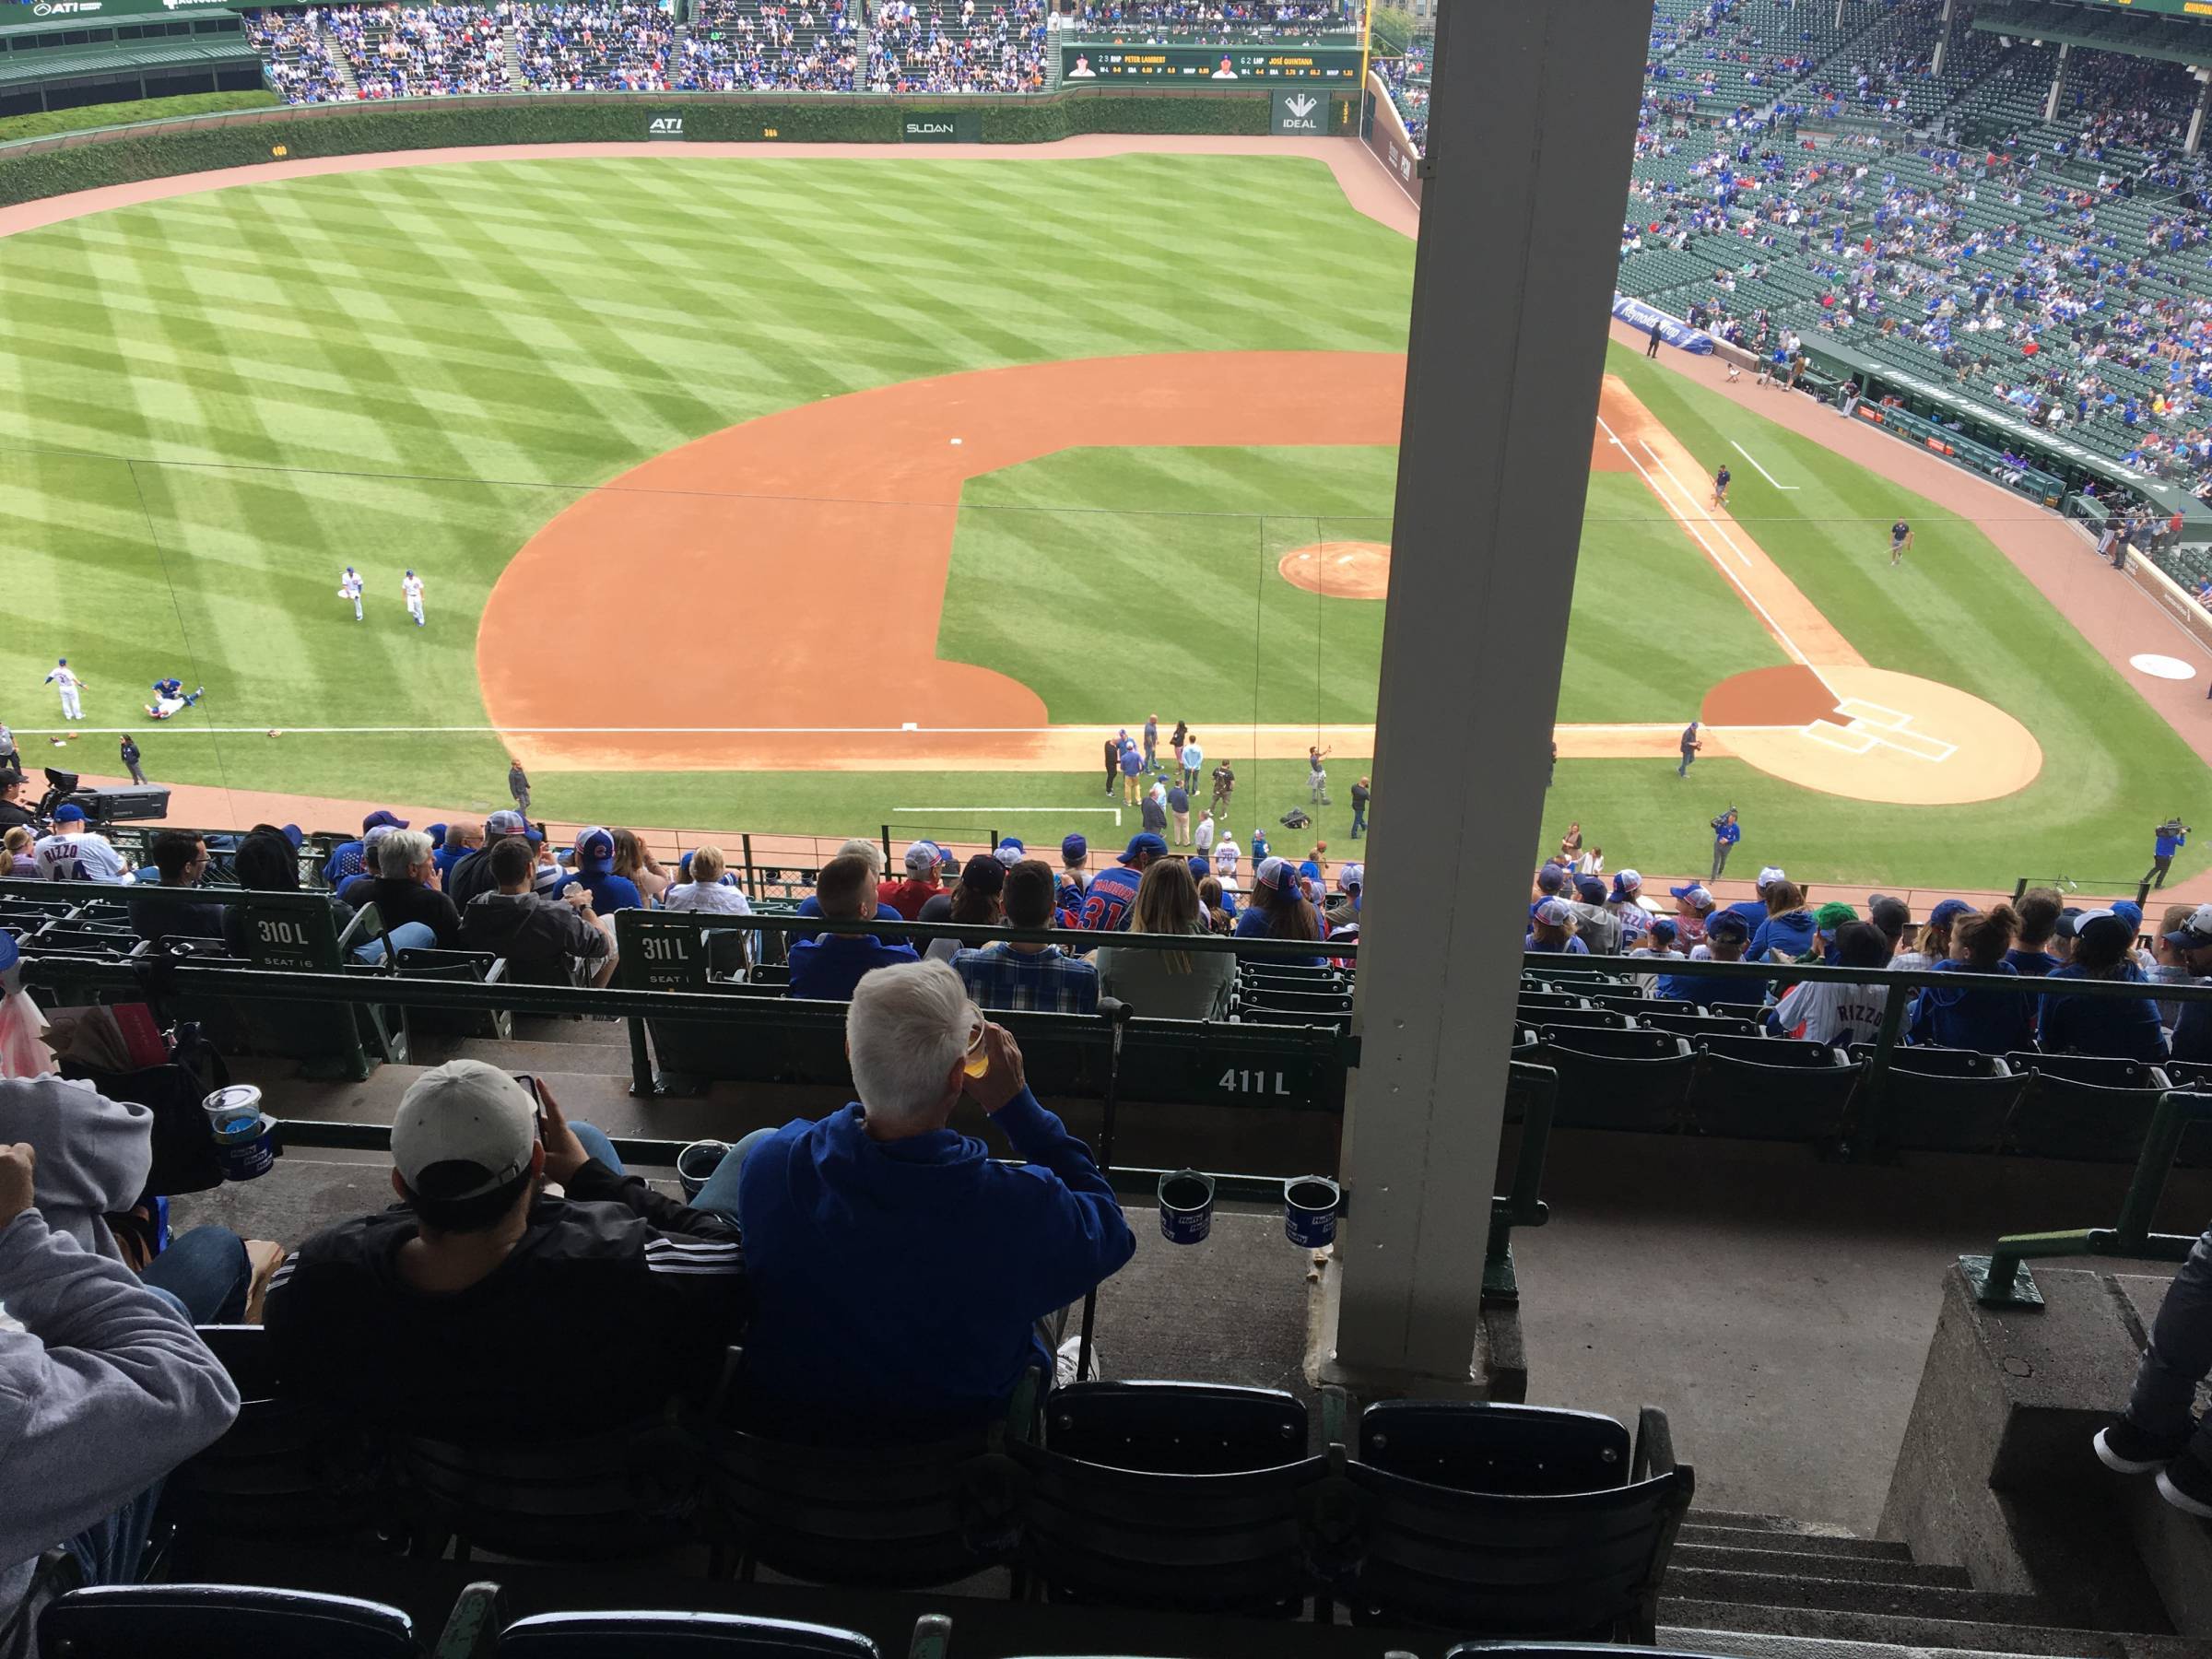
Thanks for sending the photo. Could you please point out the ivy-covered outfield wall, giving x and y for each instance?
(125, 153)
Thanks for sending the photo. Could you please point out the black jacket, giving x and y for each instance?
(536, 936)
(616, 1300)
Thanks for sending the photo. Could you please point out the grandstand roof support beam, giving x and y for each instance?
(2058, 83)
(1942, 40)
(2191, 145)
(1535, 113)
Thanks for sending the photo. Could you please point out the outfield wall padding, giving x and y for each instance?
(69, 162)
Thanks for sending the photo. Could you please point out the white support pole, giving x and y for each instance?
(1534, 120)
(2197, 120)
(2058, 84)
(1943, 39)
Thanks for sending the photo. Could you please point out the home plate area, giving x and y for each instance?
(1871, 734)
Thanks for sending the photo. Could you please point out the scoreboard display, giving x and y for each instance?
(2171, 8)
(1093, 61)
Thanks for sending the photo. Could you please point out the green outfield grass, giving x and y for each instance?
(214, 403)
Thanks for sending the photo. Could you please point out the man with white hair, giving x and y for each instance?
(900, 1273)
(407, 893)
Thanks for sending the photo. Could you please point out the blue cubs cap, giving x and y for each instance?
(69, 812)
(437, 834)
(2129, 912)
(1073, 847)
(594, 852)
(1728, 925)
(1590, 889)
(1696, 892)
(1141, 844)
(385, 818)
(1201, 866)
(1949, 911)
(1551, 878)
(1009, 852)
(293, 834)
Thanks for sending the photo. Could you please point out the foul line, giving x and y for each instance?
(1762, 472)
(1055, 811)
(1750, 598)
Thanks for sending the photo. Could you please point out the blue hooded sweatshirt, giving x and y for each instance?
(1781, 938)
(2122, 1026)
(1990, 1022)
(898, 1283)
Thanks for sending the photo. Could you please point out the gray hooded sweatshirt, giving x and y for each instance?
(94, 1153)
(103, 1389)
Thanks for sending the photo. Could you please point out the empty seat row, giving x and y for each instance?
(1174, 1497)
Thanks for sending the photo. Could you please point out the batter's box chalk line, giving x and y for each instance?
(1872, 726)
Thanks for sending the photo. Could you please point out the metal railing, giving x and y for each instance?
(2001, 1279)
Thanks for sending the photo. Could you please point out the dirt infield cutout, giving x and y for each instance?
(826, 530)
(1338, 570)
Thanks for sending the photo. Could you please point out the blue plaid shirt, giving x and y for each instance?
(1041, 982)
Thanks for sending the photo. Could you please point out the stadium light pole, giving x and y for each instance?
(1532, 124)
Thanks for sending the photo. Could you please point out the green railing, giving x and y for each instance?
(2001, 1279)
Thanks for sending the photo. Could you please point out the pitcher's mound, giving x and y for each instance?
(1872, 734)
(1338, 570)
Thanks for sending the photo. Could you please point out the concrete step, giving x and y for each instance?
(1798, 1564)
(1752, 1621)
(1742, 1521)
(545, 1028)
(1764, 1644)
(1843, 1547)
(1846, 1595)
(590, 1059)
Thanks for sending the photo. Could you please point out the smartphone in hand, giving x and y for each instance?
(530, 1084)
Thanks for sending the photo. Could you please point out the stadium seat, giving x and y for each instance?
(2194, 1077)
(1228, 1541)
(905, 1518)
(1571, 1564)
(616, 1496)
(1939, 1100)
(1175, 1428)
(1559, 1649)
(676, 1636)
(281, 1472)
(1472, 1447)
(1614, 1078)
(467, 967)
(1629, 1000)
(1772, 1089)
(1580, 1019)
(1535, 1001)
(1694, 1026)
(2084, 1107)
(221, 1622)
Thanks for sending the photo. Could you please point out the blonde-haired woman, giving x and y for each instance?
(633, 861)
(1167, 984)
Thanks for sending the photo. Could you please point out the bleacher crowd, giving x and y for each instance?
(742, 45)
(417, 51)
(2041, 938)
(594, 45)
(958, 46)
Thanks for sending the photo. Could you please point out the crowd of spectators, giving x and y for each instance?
(1161, 22)
(958, 46)
(594, 45)
(1407, 79)
(417, 51)
(299, 64)
(742, 46)
(1573, 911)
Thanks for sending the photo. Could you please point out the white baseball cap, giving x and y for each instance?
(1350, 876)
(1630, 880)
(1769, 875)
(468, 1114)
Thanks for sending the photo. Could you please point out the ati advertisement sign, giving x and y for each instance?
(1300, 115)
(13, 12)
(1195, 66)
(664, 126)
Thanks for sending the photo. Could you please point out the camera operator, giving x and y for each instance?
(2168, 839)
(12, 809)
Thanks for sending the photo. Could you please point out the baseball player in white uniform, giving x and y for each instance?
(412, 588)
(1226, 853)
(72, 854)
(65, 681)
(350, 587)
